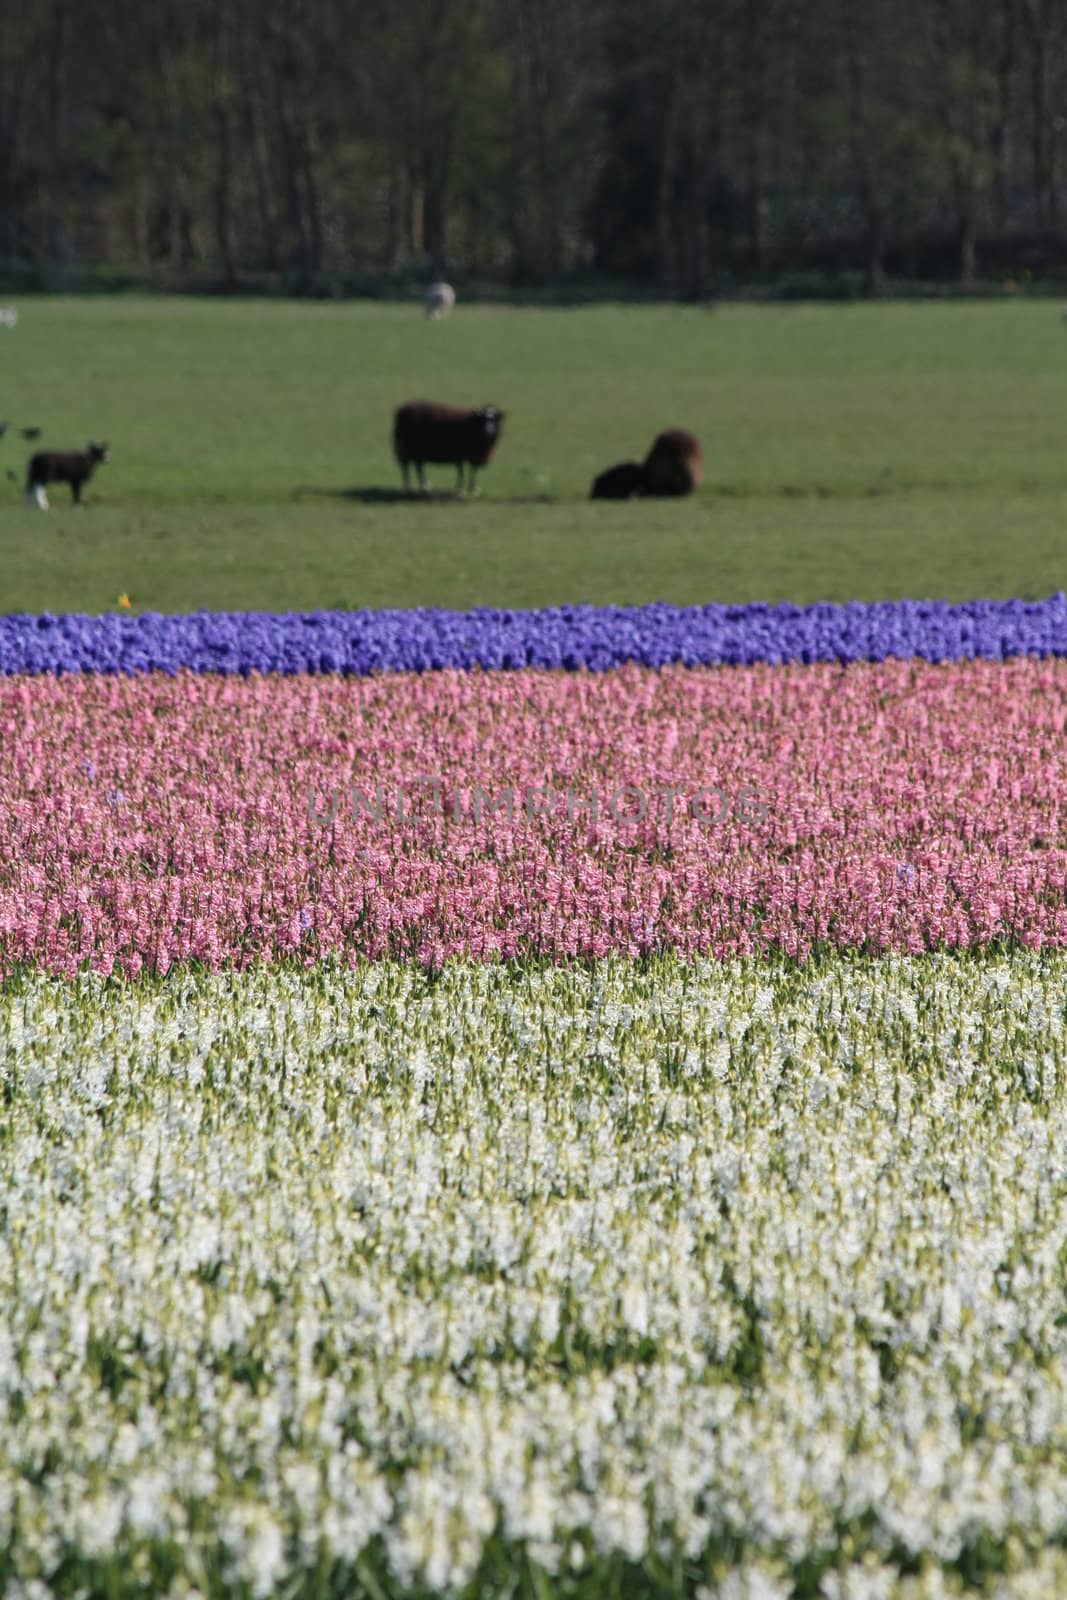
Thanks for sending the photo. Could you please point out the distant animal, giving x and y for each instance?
(8, 317)
(619, 483)
(425, 431)
(30, 433)
(3, 428)
(440, 298)
(62, 466)
(674, 465)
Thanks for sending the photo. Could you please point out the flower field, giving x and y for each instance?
(492, 1129)
(597, 637)
(156, 820)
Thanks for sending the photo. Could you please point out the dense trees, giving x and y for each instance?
(688, 143)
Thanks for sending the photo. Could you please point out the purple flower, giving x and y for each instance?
(570, 636)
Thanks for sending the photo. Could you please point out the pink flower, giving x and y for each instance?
(907, 805)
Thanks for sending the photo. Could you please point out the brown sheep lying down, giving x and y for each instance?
(673, 466)
(426, 431)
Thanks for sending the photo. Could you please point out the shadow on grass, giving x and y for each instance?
(379, 496)
(410, 497)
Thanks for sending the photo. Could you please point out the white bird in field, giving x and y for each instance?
(440, 298)
(8, 316)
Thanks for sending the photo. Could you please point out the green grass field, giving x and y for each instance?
(850, 451)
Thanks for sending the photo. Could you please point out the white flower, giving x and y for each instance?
(380, 1267)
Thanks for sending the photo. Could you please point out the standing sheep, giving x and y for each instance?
(425, 431)
(62, 466)
(674, 465)
(440, 298)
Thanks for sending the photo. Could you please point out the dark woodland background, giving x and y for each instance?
(683, 148)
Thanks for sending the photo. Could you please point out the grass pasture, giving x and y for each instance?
(851, 452)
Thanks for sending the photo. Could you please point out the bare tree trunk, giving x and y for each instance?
(867, 158)
(223, 211)
(755, 201)
(258, 155)
(393, 208)
(436, 170)
(312, 206)
(290, 179)
(874, 264)
(1039, 124)
(142, 223)
(968, 241)
(703, 99)
(434, 226)
(666, 254)
(48, 198)
(999, 138)
(1045, 20)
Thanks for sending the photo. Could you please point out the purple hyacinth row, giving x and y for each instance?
(595, 637)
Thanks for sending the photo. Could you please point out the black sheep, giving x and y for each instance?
(426, 431)
(622, 482)
(62, 466)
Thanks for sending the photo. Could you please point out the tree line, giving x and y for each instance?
(687, 145)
